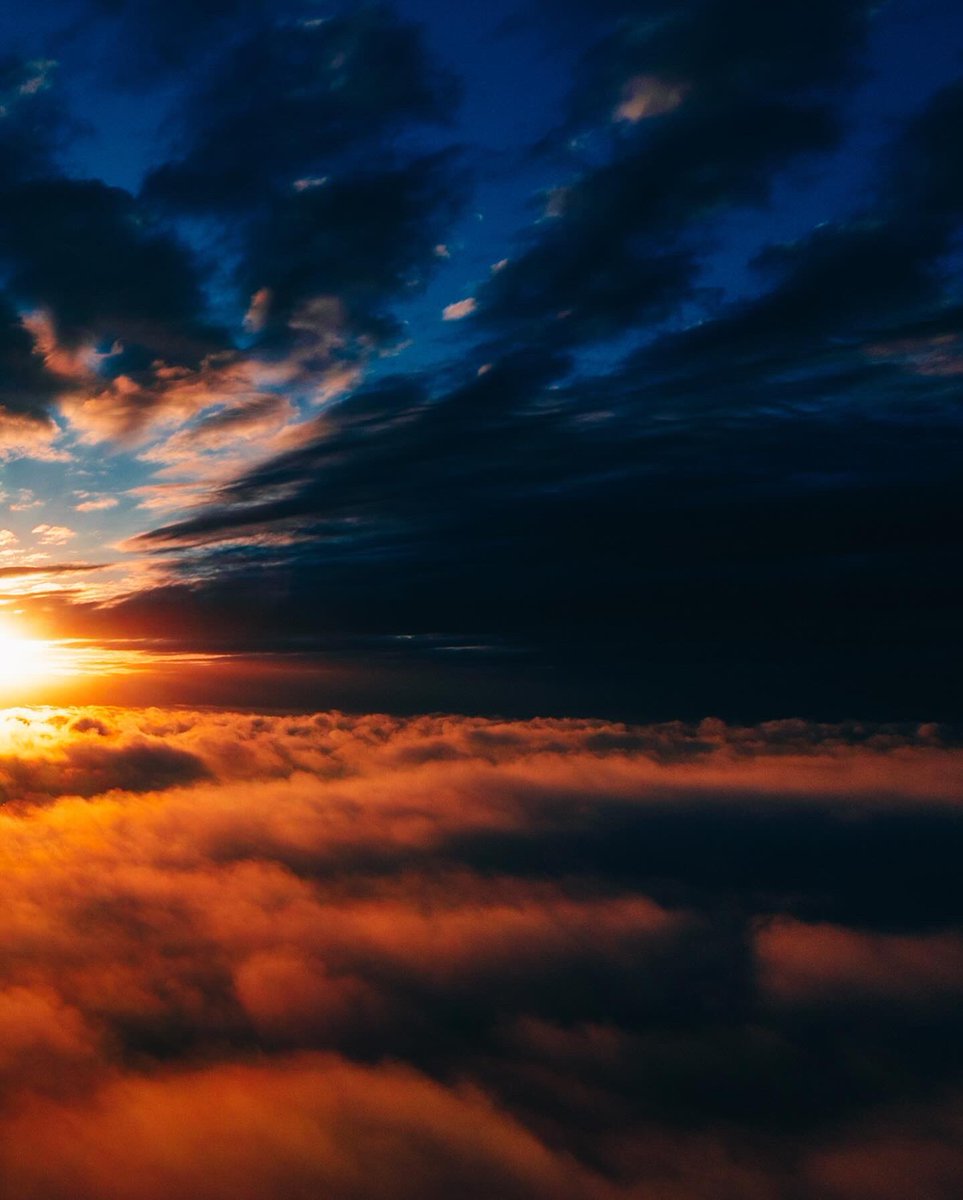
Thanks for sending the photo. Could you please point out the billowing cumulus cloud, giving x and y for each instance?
(254, 955)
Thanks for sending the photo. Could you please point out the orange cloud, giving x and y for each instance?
(53, 535)
(647, 96)
(813, 963)
(258, 955)
(302, 1126)
(459, 310)
(24, 436)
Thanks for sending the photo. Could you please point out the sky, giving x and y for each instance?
(479, 600)
(522, 358)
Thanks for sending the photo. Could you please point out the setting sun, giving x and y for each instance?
(56, 668)
(25, 660)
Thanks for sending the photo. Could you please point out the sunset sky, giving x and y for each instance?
(480, 492)
(575, 358)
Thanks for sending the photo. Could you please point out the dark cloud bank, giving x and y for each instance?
(750, 513)
(255, 956)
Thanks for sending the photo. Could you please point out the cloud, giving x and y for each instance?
(716, 493)
(110, 315)
(53, 535)
(164, 39)
(311, 180)
(884, 1158)
(305, 1124)
(761, 90)
(31, 437)
(326, 88)
(646, 96)
(516, 957)
(34, 128)
(713, 491)
(23, 500)
(49, 569)
(123, 281)
(459, 310)
(114, 327)
(323, 263)
(27, 392)
(96, 503)
(824, 963)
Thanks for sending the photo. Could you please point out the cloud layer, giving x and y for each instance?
(262, 956)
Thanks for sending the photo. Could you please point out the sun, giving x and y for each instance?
(24, 661)
(31, 665)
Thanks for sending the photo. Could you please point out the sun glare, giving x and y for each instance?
(23, 660)
(34, 669)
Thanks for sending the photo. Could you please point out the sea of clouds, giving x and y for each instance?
(372, 958)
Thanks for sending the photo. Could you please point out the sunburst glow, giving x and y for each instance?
(34, 668)
(25, 660)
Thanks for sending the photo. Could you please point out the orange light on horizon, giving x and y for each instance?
(36, 669)
(26, 661)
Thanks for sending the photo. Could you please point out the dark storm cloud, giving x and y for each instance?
(33, 127)
(113, 303)
(84, 252)
(770, 490)
(25, 387)
(164, 37)
(841, 293)
(348, 245)
(292, 148)
(732, 47)
(324, 923)
(84, 269)
(33, 122)
(297, 100)
(705, 103)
